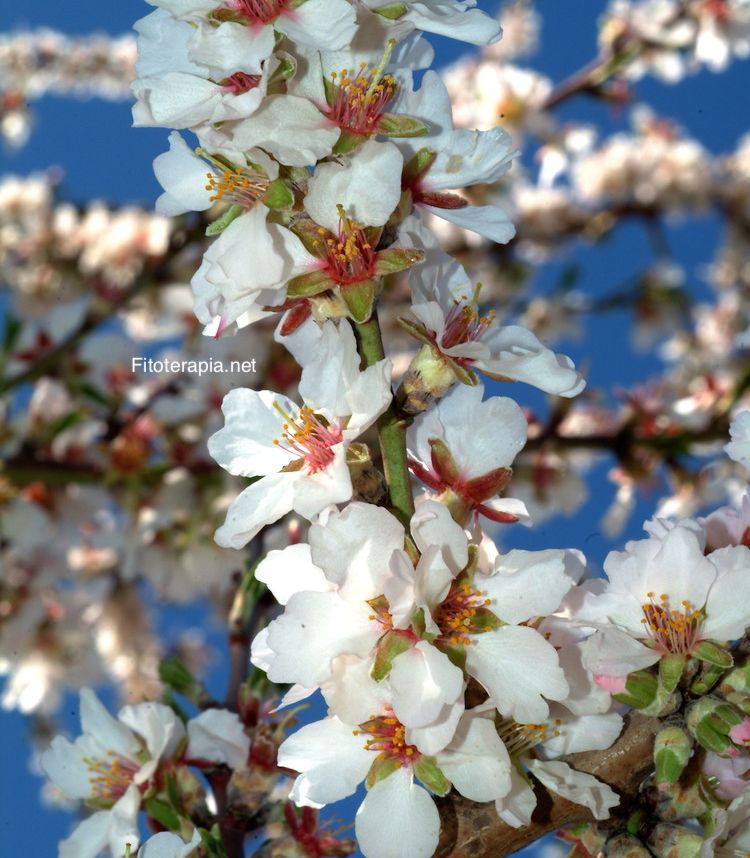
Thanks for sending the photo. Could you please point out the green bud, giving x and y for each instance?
(706, 679)
(709, 721)
(429, 377)
(672, 749)
(640, 689)
(674, 841)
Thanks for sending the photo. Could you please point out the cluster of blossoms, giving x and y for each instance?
(323, 176)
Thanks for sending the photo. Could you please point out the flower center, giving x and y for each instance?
(458, 615)
(110, 778)
(350, 255)
(236, 187)
(240, 82)
(387, 736)
(519, 739)
(672, 630)
(359, 101)
(381, 612)
(309, 438)
(463, 324)
(250, 11)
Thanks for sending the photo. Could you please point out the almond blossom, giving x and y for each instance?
(299, 452)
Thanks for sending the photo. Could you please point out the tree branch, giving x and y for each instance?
(471, 830)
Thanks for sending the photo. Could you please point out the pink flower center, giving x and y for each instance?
(350, 255)
(111, 778)
(360, 100)
(457, 617)
(253, 11)
(309, 438)
(672, 630)
(240, 82)
(387, 736)
(463, 324)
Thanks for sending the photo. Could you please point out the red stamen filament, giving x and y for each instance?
(360, 101)
(309, 438)
(463, 324)
(110, 778)
(455, 616)
(256, 11)
(240, 82)
(350, 255)
(671, 630)
(388, 738)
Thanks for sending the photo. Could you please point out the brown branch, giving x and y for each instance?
(471, 830)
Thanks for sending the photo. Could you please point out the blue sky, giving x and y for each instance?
(102, 157)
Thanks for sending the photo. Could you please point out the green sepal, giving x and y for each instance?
(418, 165)
(174, 673)
(278, 195)
(396, 259)
(670, 671)
(713, 654)
(11, 332)
(221, 223)
(380, 769)
(391, 11)
(709, 675)
(464, 374)
(428, 771)
(419, 332)
(286, 69)
(395, 125)
(390, 645)
(162, 813)
(310, 234)
(307, 285)
(212, 842)
(348, 141)
(443, 461)
(456, 654)
(485, 621)
(360, 299)
(640, 689)
(672, 749)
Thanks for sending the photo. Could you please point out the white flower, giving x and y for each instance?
(107, 765)
(739, 447)
(664, 597)
(168, 845)
(298, 452)
(218, 736)
(473, 466)
(460, 158)
(448, 319)
(456, 19)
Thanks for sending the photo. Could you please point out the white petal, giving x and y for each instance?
(489, 221)
(88, 839)
(517, 666)
(579, 787)
(217, 735)
(330, 485)
(612, 652)
(262, 503)
(527, 584)
(109, 733)
(476, 761)
(63, 764)
(324, 24)
(397, 819)
(432, 524)
(168, 845)
(727, 612)
(161, 729)
(368, 187)
(423, 681)
(332, 761)
(586, 733)
(515, 809)
(182, 174)
(291, 571)
(314, 629)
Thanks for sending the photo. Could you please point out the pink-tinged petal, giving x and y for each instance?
(262, 503)
(578, 787)
(423, 681)
(291, 571)
(613, 684)
(740, 734)
(313, 630)
(477, 762)
(217, 735)
(331, 759)
(397, 819)
(330, 485)
(519, 669)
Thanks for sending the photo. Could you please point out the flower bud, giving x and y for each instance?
(674, 841)
(367, 482)
(679, 800)
(672, 749)
(709, 721)
(429, 377)
(625, 846)
(640, 689)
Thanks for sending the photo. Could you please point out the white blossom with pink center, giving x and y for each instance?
(299, 452)
(664, 597)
